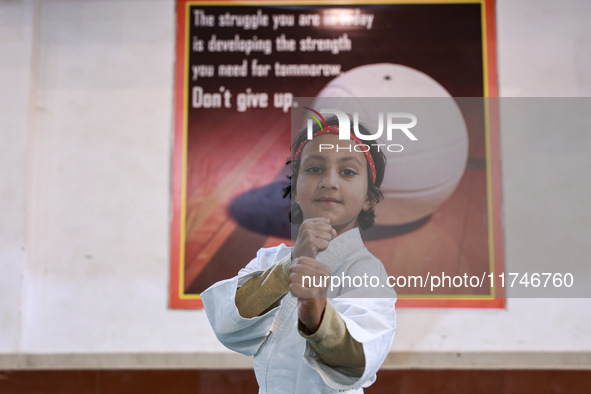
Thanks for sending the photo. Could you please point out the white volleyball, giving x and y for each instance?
(426, 172)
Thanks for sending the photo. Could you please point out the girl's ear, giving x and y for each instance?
(367, 205)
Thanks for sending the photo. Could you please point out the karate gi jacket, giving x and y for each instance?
(283, 360)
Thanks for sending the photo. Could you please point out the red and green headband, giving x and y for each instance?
(354, 138)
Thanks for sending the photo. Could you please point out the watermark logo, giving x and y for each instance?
(394, 122)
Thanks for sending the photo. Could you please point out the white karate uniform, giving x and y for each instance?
(283, 361)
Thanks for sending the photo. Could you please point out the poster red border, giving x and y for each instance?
(177, 297)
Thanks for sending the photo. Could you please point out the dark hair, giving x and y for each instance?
(365, 218)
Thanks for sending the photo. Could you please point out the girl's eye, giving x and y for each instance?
(348, 172)
(314, 170)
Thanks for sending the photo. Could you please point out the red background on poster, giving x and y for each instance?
(181, 298)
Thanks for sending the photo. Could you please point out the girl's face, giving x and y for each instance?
(332, 184)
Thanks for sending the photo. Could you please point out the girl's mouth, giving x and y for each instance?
(327, 201)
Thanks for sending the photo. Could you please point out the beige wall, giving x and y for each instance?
(86, 130)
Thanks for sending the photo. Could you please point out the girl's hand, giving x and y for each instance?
(312, 296)
(313, 237)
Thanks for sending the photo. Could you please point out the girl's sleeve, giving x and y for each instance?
(370, 319)
(242, 334)
(262, 293)
(333, 343)
(372, 323)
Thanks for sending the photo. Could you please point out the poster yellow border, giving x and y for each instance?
(178, 298)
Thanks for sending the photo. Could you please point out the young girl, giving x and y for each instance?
(307, 334)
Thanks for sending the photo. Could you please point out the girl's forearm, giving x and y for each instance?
(263, 292)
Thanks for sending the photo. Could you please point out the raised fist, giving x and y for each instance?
(313, 237)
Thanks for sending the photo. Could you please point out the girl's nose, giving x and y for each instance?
(329, 180)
